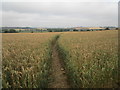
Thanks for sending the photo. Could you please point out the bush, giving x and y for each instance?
(107, 28)
(9, 31)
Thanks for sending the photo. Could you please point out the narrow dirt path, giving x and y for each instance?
(58, 73)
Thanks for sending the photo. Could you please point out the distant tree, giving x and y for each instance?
(49, 30)
(107, 28)
(31, 31)
(75, 30)
(88, 30)
(12, 31)
(9, 31)
(20, 30)
(5, 31)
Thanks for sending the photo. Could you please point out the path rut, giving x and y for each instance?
(58, 74)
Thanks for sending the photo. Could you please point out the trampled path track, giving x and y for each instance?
(58, 73)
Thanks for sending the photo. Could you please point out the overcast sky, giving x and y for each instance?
(59, 13)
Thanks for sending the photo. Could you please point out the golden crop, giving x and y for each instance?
(91, 58)
(25, 60)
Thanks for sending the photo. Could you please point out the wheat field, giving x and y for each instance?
(91, 58)
(26, 59)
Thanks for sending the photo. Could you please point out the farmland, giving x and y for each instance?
(89, 59)
(26, 59)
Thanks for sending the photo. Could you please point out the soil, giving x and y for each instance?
(58, 73)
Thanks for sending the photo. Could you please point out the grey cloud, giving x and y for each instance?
(61, 0)
(51, 14)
